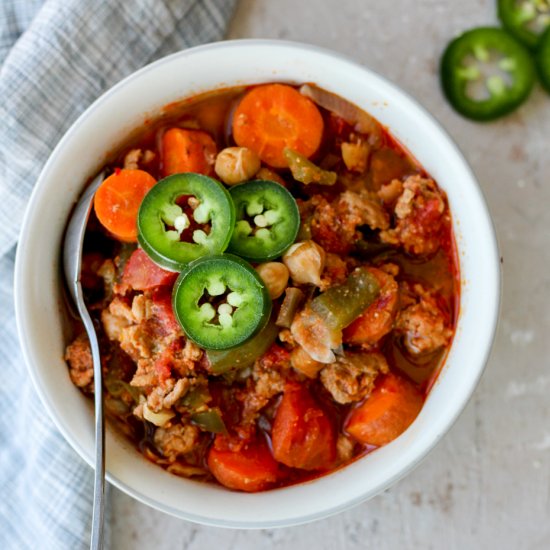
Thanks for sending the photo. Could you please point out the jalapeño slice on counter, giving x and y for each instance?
(486, 73)
(267, 220)
(220, 301)
(525, 19)
(542, 60)
(184, 217)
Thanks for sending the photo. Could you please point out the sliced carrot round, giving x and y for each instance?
(188, 151)
(387, 413)
(117, 202)
(250, 469)
(273, 117)
(302, 435)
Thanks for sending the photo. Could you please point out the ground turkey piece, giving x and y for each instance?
(351, 377)
(420, 214)
(267, 380)
(423, 324)
(81, 367)
(176, 440)
(334, 225)
(166, 395)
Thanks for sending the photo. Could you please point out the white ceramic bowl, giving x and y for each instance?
(81, 153)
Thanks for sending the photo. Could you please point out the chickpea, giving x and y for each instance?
(305, 262)
(302, 362)
(136, 157)
(275, 276)
(236, 164)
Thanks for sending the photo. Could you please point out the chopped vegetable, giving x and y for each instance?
(542, 60)
(117, 387)
(486, 73)
(291, 302)
(377, 320)
(302, 436)
(387, 413)
(306, 172)
(318, 327)
(141, 273)
(195, 399)
(159, 418)
(162, 309)
(525, 19)
(174, 234)
(251, 468)
(358, 118)
(220, 302)
(267, 220)
(341, 304)
(272, 117)
(187, 151)
(244, 355)
(117, 202)
(210, 421)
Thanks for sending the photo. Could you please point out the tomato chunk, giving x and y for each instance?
(377, 320)
(302, 436)
(250, 468)
(387, 413)
(163, 311)
(141, 273)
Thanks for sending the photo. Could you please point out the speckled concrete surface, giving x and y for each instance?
(487, 484)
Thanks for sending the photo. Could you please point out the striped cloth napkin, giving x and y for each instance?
(56, 57)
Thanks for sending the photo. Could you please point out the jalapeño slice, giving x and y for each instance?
(220, 301)
(486, 73)
(542, 60)
(525, 19)
(267, 220)
(184, 217)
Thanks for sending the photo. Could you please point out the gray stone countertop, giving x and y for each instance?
(487, 484)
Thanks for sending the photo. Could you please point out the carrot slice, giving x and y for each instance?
(187, 151)
(387, 413)
(251, 468)
(302, 436)
(117, 202)
(272, 117)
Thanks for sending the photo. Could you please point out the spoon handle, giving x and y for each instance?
(99, 477)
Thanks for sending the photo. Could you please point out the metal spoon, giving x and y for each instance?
(72, 263)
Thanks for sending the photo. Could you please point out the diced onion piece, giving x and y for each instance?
(157, 418)
(362, 121)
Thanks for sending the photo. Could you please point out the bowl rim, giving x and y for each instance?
(494, 275)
